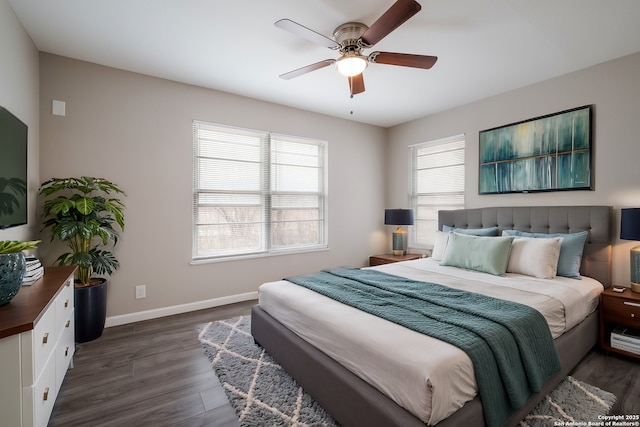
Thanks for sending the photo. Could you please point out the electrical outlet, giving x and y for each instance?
(141, 291)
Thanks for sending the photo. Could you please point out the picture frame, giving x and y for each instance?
(546, 153)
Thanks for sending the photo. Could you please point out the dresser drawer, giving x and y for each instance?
(64, 352)
(388, 259)
(379, 261)
(39, 344)
(620, 310)
(39, 398)
(64, 305)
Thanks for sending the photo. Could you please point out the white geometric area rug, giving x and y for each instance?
(257, 387)
(572, 402)
(262, 394)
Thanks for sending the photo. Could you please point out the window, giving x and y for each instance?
(437, 182)
(256, 193)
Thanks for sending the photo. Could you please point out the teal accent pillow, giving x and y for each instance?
(570, 250)
(478, 253)
(491, 231)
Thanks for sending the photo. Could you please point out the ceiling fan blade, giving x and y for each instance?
(309, 68)
(395, 16)
(403, 59)
(306, 33)
(356, 84)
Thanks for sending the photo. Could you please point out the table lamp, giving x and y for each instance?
(630, 230)
(399, 217)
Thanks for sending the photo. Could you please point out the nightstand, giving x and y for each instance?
(618, 309)
(388, 259)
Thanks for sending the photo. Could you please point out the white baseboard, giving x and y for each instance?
(177, 309)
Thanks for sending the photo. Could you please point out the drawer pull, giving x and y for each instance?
(67, 324)
(45, 338)
(66, 303)
(66, 351)
(46, 394)
(635, 304)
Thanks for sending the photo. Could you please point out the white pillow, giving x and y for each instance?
(535, 257)
(440, 245)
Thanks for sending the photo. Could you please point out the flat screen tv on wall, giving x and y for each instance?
(13, 170)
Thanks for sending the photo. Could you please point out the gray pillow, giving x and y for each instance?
(570, 250)
(491, 231)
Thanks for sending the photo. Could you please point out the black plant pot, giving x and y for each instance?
(90, 311)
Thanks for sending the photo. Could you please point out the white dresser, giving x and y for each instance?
(36, 348)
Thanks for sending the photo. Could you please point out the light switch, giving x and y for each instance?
(58, 108)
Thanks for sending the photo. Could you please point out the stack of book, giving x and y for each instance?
(35, 270)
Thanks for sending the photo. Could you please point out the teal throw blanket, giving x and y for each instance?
(510, 344)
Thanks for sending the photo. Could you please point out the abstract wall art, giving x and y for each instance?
(548, 153)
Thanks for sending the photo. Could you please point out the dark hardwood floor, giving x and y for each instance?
(619, 375)
(151, 373)
(155, 373)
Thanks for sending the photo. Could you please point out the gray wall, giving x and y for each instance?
(614, 90)
(19, 94)
(136, 131)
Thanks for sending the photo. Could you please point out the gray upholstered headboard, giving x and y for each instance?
(597, 220)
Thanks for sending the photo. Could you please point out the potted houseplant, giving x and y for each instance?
(83, 212)
(12, 267)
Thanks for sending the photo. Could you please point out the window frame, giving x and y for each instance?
(267, 191)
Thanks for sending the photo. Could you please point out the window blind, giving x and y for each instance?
(437, 175)
(256, 192)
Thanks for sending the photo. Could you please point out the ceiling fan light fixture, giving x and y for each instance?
(352, 64)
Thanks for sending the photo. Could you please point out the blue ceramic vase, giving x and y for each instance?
(12, 269)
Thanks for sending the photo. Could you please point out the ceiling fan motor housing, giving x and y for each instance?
(349, 36)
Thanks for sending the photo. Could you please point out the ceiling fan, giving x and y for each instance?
(351, 38)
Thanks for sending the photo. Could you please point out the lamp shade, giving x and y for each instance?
(630, 224)
(398, 216)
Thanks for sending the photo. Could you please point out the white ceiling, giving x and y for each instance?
(484, 47)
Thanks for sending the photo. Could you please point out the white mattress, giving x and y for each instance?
(428, 377)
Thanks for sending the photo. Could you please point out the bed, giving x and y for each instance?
(352, 400)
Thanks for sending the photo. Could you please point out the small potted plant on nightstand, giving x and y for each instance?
(12, 267)
(82, 212)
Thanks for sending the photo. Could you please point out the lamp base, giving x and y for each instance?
(399, 238)
(635, 269)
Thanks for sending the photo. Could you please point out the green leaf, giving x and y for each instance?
(81, 259)
(104, 262)
(67, 229)
(85, 205)
(14, 246)
(58, 206)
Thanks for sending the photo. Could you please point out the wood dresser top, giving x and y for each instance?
(24, 310)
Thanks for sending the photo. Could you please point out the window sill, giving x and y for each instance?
(256, 255)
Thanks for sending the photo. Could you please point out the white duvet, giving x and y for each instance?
(429, 378)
